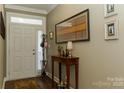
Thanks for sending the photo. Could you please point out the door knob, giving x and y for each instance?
(33, 49)
(33, 53)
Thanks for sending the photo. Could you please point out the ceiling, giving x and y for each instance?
(41, 8)
(46, 7)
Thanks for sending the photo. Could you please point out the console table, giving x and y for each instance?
(68, 61)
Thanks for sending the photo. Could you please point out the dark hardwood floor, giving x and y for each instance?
(31, 83)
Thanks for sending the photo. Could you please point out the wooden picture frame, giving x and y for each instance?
(75, 28)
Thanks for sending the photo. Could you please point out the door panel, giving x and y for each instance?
(22, 44)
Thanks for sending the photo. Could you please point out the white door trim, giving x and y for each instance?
(8, 15)
(9, 6)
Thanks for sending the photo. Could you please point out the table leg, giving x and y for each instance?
(76, 75)
(52, 73)
(68, 75)
(59, 72)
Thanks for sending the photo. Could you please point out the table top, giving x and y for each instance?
(73, 57)
(65, 60)
(65, 57)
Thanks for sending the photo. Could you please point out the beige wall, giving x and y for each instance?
(2, 54)
(101, 62)
(2, 60)
(2, 9)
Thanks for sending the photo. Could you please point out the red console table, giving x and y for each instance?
(68, 61)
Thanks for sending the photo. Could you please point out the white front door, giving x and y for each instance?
(21, 44)
(22, 51)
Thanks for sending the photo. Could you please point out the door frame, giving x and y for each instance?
(8, 16)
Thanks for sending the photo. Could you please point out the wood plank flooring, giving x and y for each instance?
(31, 83)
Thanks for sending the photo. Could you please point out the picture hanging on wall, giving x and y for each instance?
(74, 28)
(110, 10)
(111, 28)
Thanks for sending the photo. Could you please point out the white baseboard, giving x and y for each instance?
(56, 79)
(50, 76)
(4, 80)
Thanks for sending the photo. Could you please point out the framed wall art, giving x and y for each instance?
(75, 28)
(111, 28)
(110, 10)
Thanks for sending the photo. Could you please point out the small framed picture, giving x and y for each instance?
(109, 10)
(111, 28)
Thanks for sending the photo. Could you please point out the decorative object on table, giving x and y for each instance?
(111, 28)
(60, 50)
(75, 28)
(110, 10)
(51, 35)
(67, 52)
(63, 53)
(44, 45)
(69, 48)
